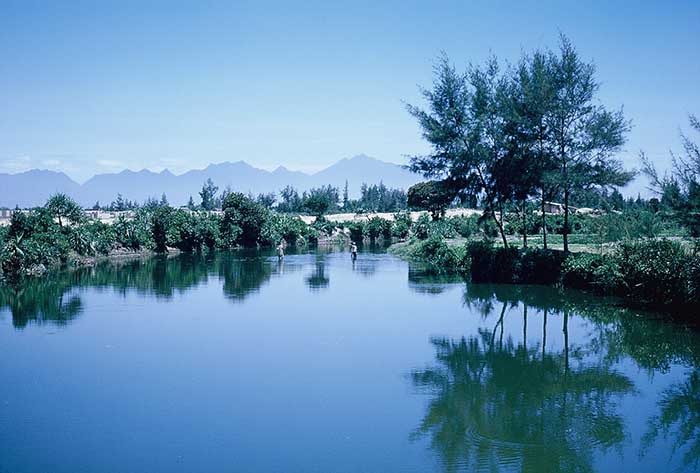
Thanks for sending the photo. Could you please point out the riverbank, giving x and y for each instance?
(659, 274)
(79, 261)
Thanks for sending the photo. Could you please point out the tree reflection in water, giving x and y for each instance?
(498, 399)
(423, 281)
(55, 298)
(242, 276)
(40, 302)
(679, 418)
(508, 406)
(501, 404)
(318, 280)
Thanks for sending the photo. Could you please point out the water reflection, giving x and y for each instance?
(509, 406)
(498, 402)
(679, 418)
(56, 298)
(318, 279)
(530, 378)
(44, 301)
(424, 281)
(243, 277)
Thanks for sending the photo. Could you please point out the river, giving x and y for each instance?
(239, 362)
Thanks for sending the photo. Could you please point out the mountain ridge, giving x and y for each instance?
(32, 188)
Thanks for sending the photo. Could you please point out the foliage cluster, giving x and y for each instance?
(508, 137)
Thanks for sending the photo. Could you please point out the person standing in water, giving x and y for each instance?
(353, 251)
(280, 250)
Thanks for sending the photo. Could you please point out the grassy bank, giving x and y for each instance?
(653, 272)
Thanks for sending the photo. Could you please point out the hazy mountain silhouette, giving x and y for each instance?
(32, 188)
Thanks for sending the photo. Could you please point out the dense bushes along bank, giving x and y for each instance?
(60, 233)
(651, 272)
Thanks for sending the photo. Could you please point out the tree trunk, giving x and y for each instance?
(566, 220)
(544, 223)
(566, 341)
(525, 327)
(524, 225)
(499, 322)
(544, 332)
(499, 223)
(490, 207)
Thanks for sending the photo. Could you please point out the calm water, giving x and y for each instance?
(237, 363)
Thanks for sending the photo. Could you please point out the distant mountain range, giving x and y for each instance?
(32, 188)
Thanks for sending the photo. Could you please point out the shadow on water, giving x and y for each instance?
(497, 403)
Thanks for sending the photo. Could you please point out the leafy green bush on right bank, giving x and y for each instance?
(658, 272)
(650, 272)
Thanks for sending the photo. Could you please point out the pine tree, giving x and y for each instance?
(346, 197)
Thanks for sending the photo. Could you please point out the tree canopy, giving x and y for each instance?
(505, 135)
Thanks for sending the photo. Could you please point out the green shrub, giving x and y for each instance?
(209, 230)
(442, 229)
(161, 221)
(377, 226)
(242, 221)
(324, 226)
(488, 227)
(489, 264)
(387, 229)
(357, 231)
(439, 257)
(188, 231)
(80, 240)
(539, 266)
(13, 259)
(506, 265)
(134, 233)
(465, 226)
(654, 271)
(589, 271)
(693, 277)
(482, 257)
(103, 237)
(402, 225)
(421, 229)
(282, 227)
(312, 235)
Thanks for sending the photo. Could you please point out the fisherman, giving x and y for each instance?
(353, 251)
(280, 250)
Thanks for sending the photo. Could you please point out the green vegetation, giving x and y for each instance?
(513, 140)
(504, 138)
(660, 273)
(323, 200)
(433, 196)
(60, 233)
(680, 191)
(436, 256)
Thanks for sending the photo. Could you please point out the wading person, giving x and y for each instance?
(280, 250)
(353, 251)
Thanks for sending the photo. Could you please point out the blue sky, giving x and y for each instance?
(88, 87)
